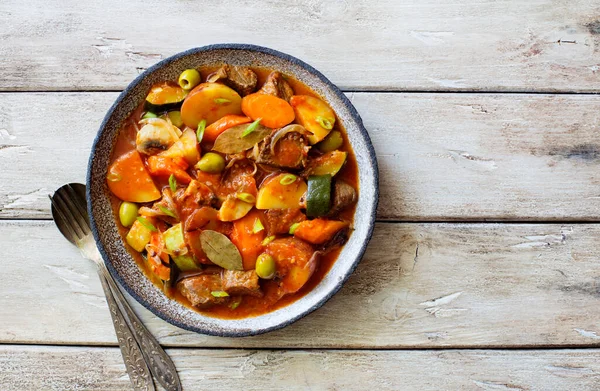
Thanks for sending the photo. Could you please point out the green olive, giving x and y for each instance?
(189, 79)
(175, 117)
(149, 114)
(265, 266)
(128, 212)
(332, 142)
(212, 163)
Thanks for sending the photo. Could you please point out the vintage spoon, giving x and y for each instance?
(141, 352)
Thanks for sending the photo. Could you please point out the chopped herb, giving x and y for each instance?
(114, 177)
(251, 128)
(258, 226)
(236, 303)
(200, 131)
(173, 183)
(167, 211)
(293, 228)
(219, 294)
(288, 179)
(326, 123)
(146, 224)
(268, 240)
(149, 114)
(222, 101)
(246, 197)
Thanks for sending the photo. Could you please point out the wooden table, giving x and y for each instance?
(483, 272)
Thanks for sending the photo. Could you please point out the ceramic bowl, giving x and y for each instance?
(121, 264)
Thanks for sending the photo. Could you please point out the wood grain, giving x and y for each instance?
(91, 368)
(418, 286)
(441, 156)
(540, 45)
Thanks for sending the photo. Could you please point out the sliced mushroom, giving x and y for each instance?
(343, 196)
(155, 136)
(241, 79)
(277, 86)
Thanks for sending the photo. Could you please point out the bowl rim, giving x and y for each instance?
(371, 158)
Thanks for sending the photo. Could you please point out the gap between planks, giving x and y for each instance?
(550, 347)
(382, 221)
(346, 91)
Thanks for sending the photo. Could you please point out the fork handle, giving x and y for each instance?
(136, 366)
(159, 362)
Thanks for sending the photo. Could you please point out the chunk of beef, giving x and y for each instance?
(343, 196)
(236, 282)
(198, 290)
(241, 79)
(200, 193)
(277, 86)
(290, 151)
(279, 221)
(238, 178)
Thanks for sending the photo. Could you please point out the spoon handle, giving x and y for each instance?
(158, 360)
(138, 371)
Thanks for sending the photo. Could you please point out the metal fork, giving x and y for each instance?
(141, 352)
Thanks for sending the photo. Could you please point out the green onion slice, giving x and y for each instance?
(219, 294)
(252, 127)
(288, 179)
(258, 226)
(166, 211)
(236, 303)
(146, 224)
(149, 114)
(173, 183)
(268, 240)
(246, 197)
(293, 228)
(326, 123)
(200, 131)
(222, 101)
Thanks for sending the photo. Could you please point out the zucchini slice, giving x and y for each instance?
(318, 195)
(328, 163)
(175, 244)
(164, 97)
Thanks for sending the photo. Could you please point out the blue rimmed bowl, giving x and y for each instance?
(122, 265)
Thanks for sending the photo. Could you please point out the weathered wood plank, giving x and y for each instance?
(419, 286)
(102, 369)
(541, 45)
(441, 156)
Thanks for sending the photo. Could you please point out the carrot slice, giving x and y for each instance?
(158, 242)
(129, 180)
(318, 231)
(219, 126)
(164, 167)
(275, 112)
(246, 240)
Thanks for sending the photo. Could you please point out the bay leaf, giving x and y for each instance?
(231, 140)
(220, 250)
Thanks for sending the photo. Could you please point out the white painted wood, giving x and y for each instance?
(89, 368)
(526, 45)
(441, 156)
(419, 286)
